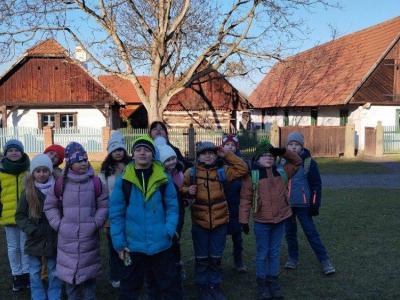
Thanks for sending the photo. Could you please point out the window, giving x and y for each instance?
(314, 116)
(63, 120)
(286, 118)
(344, 116)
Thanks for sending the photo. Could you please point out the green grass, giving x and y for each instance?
(359, 229)
(350, 166)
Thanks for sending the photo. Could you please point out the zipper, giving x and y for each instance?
(17, 189)
(79, 227)
(209, 200)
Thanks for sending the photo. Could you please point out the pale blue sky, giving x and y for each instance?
(353, 16)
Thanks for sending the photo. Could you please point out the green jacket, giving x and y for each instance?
(41, 238)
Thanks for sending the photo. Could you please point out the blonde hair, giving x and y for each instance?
(32, 197)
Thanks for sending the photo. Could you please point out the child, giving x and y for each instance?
(41, 238)
(56, 154)
(266, 190)
(209, 211)
(305, 200)
(113, 166)
(143, 219)
(77, 209)
(232, 192)
(14, 166)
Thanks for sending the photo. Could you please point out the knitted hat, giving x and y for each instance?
(59, 150)
(205, 146)
(116, 141)
(13, 144)
(295, 137)
(144, 141)
(230, 138)
(41, 160)
(164, 151)
(74, 152)
(263, 147)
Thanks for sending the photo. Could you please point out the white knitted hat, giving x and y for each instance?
(164, 151)
(41, 160)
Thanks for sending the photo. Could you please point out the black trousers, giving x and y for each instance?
(161, 267)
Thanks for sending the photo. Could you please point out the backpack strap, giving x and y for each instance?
(255, 179)
(60, 181)
(283, 174)
(97, 186)
(307, 164)
(221, 174)
(58, 187)
(193, 175)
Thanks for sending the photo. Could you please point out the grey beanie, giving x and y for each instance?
(204, 146)
(13, 144)
(296, 137)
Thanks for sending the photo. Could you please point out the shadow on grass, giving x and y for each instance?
(359, 229)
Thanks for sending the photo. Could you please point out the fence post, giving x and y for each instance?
(105, 134)
(379, 139)
(192, 142)
(349, 141)
(274, 135)
(48, 136)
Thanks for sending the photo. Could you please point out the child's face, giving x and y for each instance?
(230, 146)
(118, 154)
(294, 146)
(41, 174)
(53, 157)
(208, 157)
(13, 154)
(266, 160)
(170, 163)
(158, 131)
(80, 167)
(143, 157)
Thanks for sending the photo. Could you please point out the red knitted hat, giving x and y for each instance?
(59, 150)
(230, 138)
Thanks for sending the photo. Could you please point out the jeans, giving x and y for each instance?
(84, 291)
(268, 243)
(162, 270)
(38, 291)
(19, 262)
(208, 247)
(237, 247)
(310, 231)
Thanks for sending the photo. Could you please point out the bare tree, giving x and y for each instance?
(174, 41)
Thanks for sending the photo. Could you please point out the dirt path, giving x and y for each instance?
(390, 180)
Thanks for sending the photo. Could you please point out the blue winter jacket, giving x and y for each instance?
(146, 225)
(305, 186)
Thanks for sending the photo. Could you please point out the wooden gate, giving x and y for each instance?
(323, 141)
(370, 141)
(391, 139)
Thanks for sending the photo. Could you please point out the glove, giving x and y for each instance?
(245, 228)
(313, 210)
(278, 151)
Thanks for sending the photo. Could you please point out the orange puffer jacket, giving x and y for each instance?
(210, 208)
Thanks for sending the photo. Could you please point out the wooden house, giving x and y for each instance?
(355, 78)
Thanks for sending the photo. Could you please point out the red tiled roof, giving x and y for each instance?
(47, 48)
(328, 74)
(213, 92)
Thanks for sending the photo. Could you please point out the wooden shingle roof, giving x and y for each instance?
(328, 74)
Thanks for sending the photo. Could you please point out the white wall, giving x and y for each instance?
(329, 116)
(87, 117)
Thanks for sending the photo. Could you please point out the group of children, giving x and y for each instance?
(53, 217)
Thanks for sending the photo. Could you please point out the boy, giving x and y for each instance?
(143, 219)
(210, 216)
(305, 200)
(266, 191)
(56, 154)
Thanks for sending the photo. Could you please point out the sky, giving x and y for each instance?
(354, 15)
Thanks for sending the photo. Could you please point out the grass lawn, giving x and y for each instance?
(359, 228)
(350, 166)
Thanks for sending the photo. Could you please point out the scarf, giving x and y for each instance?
(16, 167)
(45, 187)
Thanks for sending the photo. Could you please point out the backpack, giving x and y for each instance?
(255, 179)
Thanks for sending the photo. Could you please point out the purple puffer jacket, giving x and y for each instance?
(78, 249)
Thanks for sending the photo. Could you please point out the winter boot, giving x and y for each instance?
(327, 267)
(263, 292)
(291, 264)
(17, 283)
(274, 286)
(26, 281)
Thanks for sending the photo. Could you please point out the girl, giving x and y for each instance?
(41, 238)
(56, 154)
(266, 191)
(77, 209)
(111, 167)
(14, 166)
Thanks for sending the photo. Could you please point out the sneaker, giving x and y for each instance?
(327, 267)
(291, 264)
(115, 284)
(26, 281)
(17, 283)
(241, 268)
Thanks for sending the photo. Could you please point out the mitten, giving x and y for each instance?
(245, 228)
(278, 151)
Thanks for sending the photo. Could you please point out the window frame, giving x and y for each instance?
(57, 118)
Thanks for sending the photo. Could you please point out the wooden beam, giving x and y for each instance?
(4, 116)
(396, 80)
